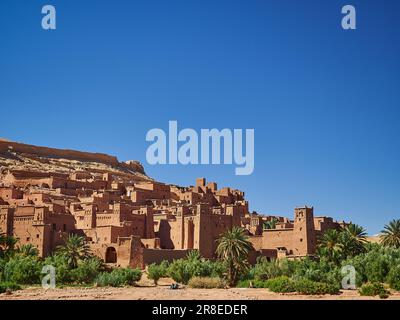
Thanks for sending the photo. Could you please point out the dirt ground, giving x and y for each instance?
(147, 291)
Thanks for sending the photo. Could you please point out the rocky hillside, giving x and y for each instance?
(18, 156)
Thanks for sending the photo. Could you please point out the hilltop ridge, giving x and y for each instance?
(19, 156)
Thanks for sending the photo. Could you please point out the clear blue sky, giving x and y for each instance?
(324, 102)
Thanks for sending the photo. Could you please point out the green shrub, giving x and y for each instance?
(2, 265)
(218, 269)
(373, 289)
(318, 271)
(265, 270)
(393, 278)
(63, 270)
(87, 270)
(119, 277)
(206, 283)
(23, 270)
(8, 285)
(281, 284)
(375, 264)
(157, 271)
(181, 271)
(244, 283)
(305, 286)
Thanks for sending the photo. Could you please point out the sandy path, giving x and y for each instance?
(164, 293)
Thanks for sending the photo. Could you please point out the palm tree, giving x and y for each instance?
(233, 248)
(7, 245)
(353, 238)
(75, 250)
(329, 245)
(271, 224)
(27, 250)
(390, 235)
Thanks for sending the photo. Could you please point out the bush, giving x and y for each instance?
(218, 269)
(281, 284)
(393, 278)
(318, 271)
(375, 264)
(181, 271)
(8, 285)
(373, 289)
(157, 271)
(284, 284)
(251, 284)
(2, 265)
(63, 271)
(23, 270)
(305, 286)
(207, 283)
(119, 277)
(265, 270)
(87, 271)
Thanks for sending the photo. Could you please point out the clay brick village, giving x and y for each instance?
(95, 208)
(131, 220)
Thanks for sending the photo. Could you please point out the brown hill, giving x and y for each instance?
(18, 156)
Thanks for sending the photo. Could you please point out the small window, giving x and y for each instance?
(37, 236)
(64, 227)
(54, 227)
(28, 239)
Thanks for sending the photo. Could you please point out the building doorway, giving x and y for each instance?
(111, 255)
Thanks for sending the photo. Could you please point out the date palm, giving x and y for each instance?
(330, 245)
(7, 245)
(390, 235)
(271, 224)
(75, 250)
(353, 238)
(27, 250)
(233, 248)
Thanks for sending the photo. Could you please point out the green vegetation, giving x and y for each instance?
(4, 286)
(75, 250)
(270, 224)
(206, 283)
(377, 266)
(157, 271)
(374, 264)
(233, 248)
(182, 270)
(74, 265)
(119, 277)
(390, 235)
(374, 289)
(282, 284)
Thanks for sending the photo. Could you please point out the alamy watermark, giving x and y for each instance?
(49, 280)
(348, 20)
(186, 146)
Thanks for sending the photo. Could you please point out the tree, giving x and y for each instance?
(390, 235)
(270, 224)
(157, 271)
(233, 248)
(7, 245)
(330, 245)
(353, 238)
(75, 250)
(27, 250)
